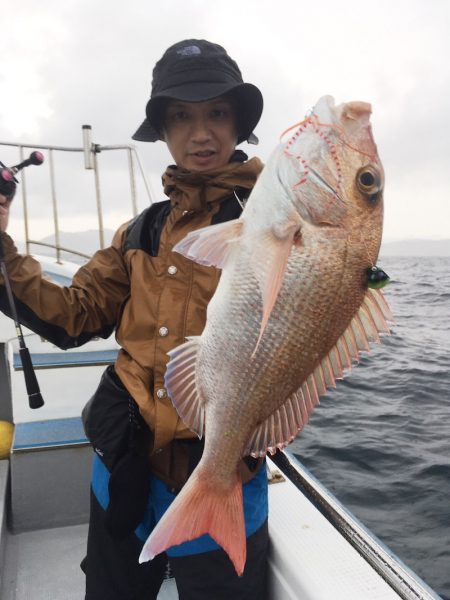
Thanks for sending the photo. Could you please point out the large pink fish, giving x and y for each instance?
(291, 313)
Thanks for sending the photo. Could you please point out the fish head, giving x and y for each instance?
(332, 173)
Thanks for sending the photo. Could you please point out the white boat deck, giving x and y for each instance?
(310, 560)
(43, 564)
(46, 566)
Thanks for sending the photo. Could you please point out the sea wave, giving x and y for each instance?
(381, 440)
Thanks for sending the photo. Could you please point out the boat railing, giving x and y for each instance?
(91, 153)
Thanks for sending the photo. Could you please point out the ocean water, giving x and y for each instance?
(381, 440)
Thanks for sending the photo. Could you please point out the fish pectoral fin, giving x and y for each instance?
(269, 262)
(181, 386)
(211, 245)
(281, 427)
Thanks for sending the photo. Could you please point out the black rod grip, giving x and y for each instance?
(34, 394)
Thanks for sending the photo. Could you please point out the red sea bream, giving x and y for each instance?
(291, 313)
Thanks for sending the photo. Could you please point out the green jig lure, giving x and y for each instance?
(376, 278)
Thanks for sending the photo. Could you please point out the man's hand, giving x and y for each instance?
(4, 212)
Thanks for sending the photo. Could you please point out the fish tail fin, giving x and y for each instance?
(202, 508)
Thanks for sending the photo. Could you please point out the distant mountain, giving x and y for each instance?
(416, 248)
(88, 242)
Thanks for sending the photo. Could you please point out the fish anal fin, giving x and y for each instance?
(281, 427)
(181, 386)
(198, 509)
(370, 320)
(211, 245)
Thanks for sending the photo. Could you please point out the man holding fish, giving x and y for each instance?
(154, 298)
(294, 307)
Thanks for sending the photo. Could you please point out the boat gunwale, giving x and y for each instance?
(397, 575)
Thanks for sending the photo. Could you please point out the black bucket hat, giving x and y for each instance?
(197, 71)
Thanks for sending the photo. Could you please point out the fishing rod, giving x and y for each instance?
(8, 184)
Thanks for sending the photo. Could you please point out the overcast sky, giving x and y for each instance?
(63, 64)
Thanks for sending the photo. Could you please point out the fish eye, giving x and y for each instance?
(369, 181)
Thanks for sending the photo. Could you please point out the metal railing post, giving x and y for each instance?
(24, 203)
(132, 182)
(87, 146)
(144, 178)
(101, 233)
(55, 206)
(90, 162)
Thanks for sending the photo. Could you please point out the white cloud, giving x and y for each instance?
(65, 64)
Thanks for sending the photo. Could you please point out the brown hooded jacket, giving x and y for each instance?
(154, 298)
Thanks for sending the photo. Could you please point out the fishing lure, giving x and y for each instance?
(376, 278)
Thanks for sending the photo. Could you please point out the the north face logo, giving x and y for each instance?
(189, 51)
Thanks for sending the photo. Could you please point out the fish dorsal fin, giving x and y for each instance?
(281, 427)
(181, 386)
(210, 245)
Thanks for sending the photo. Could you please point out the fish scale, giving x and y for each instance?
(278, 379)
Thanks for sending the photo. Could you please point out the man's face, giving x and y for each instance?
(200, 135)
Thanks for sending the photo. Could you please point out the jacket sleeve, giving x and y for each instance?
(68, 316)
